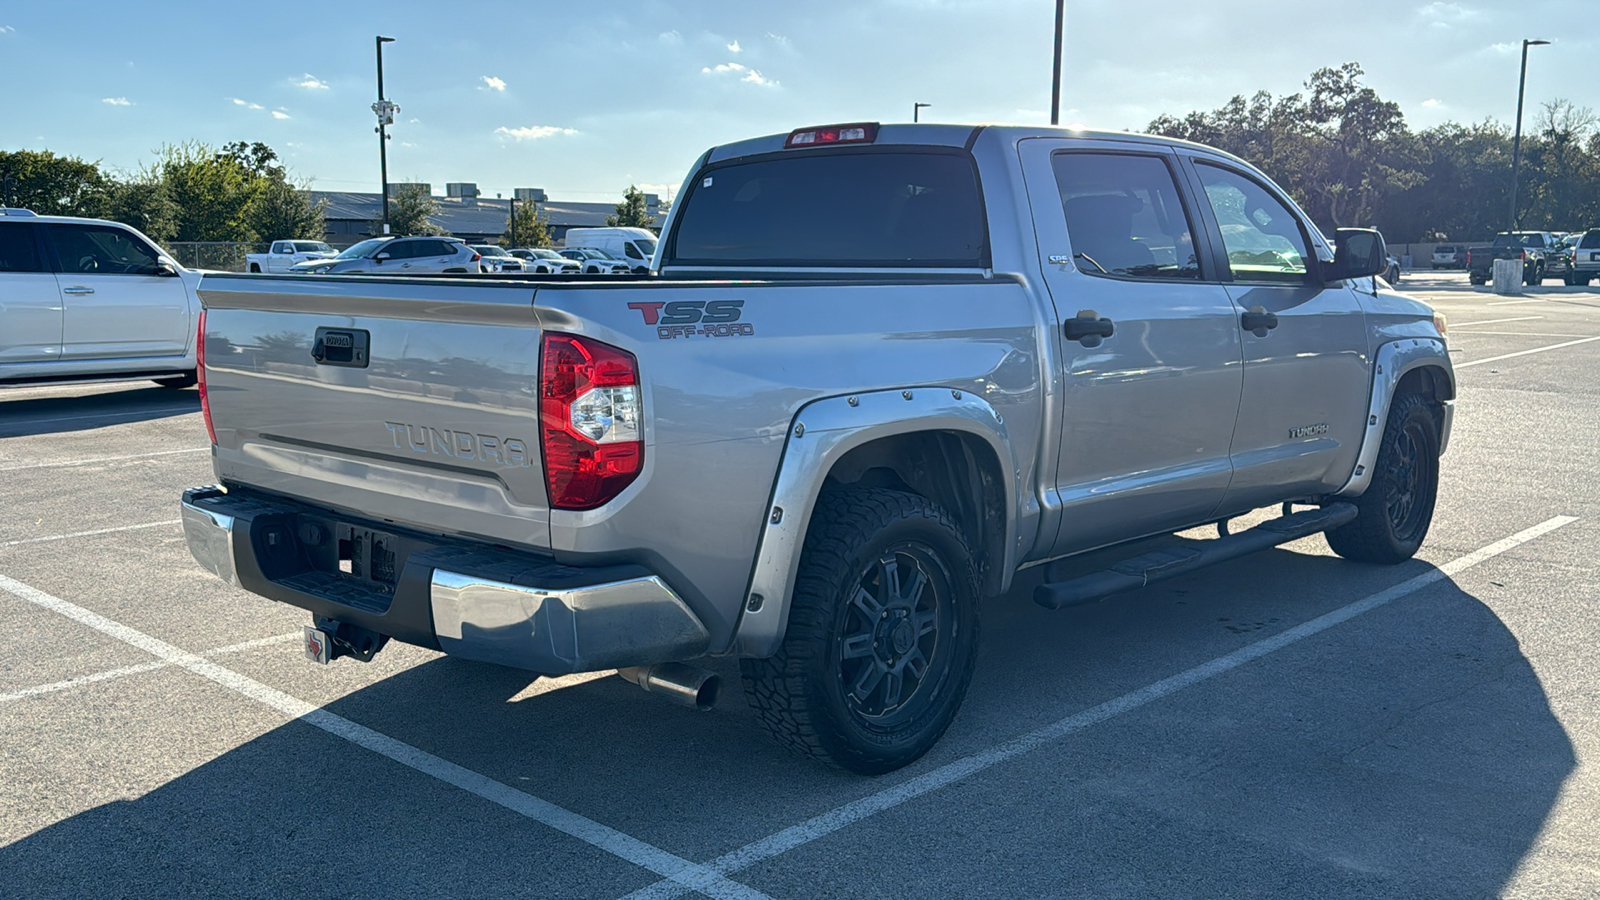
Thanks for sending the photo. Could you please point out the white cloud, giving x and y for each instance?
(1431, 103)
(533, 132)
(670, 38)
(491, 83)
(734, 47)
(414, 120)
(312, 83)
(1440, 14)
(245, 103)
(279, 114)
(777, 39)
(7, 29)
(116, 101)
(751, 76)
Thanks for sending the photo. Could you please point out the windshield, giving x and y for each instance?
(590, 253)
(490, 250)
(547, 254)
(648, 245)
(363, 249)
(311, 247)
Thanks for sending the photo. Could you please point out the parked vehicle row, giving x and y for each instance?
(284, 255)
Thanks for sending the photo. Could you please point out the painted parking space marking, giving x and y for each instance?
(1479, 362)
(77, 534)
(102, 459)
(827, 823)
(1494, 321)
(186, 409)
(123, 672)
(688, 876)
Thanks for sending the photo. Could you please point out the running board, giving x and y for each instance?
(1135, 573)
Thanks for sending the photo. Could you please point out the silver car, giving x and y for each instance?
(398, 256)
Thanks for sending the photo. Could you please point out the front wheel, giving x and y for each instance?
(1396, 509)
(882, 636)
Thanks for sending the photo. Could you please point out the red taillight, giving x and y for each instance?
(476, 257)
(200, 375)
(856, 133)
(589, 411)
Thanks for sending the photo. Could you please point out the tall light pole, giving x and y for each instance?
(1055, 77)
(386, 112)
(511, 236)
(1516, 142)
(917, 108)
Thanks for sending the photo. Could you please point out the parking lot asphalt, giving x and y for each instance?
(1289, 724)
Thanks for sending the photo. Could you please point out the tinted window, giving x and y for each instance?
(102, 250)
(875, 208)
(1591, 241)
(18, 252)
(1444, 248)
(399, 249)
(1262, 238)
(1124, 216)
(311, 247)
(632, 251)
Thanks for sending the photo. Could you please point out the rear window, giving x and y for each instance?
(1444, 248)
(1591, 241)
(871, 209)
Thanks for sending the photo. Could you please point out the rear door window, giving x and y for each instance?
(1591, 241)
(1125, 216)
(863, 208)
(19, 251)
(1263, 239)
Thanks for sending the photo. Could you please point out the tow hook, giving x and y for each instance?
(326, 640)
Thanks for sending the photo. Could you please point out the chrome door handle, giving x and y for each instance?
(77, 290)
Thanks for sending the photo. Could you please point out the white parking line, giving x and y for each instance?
(125, 671)
(872, 804)
(101, 459)
(1479, 362)
(1515, 302)
(1456, 331)
(688, 875)
(1455, 325)
(77, 534)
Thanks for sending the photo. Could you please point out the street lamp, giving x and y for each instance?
(917, 108)
(1055, 77)
(511, 236)
(386, 112)
(1516, 142)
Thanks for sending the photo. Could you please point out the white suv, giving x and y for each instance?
(87, 298)
(398, 256)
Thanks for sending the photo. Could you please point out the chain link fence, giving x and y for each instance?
(224, 256)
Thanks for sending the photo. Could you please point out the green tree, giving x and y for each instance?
(52, 185)
(410, 210)
(632, 210)
(212, 191)
(280, 210)
(143, 202)
(529, 229)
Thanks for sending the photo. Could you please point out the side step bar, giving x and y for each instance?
(1131, 574)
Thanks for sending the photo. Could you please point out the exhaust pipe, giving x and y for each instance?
(683, 685)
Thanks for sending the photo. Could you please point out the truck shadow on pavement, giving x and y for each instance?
(1409, 751)
(22, 415)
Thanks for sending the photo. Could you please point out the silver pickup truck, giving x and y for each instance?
(876, 372)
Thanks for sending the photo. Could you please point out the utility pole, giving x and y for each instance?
(1516, 142)
(1055, 78)
(386, 112)
(511, 237)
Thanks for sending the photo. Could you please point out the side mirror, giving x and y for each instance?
(381, 257)
(166, 269)
(1357, 253)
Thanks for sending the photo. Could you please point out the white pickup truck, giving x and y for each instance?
(284, 254)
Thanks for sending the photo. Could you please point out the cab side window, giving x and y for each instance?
(102, 250)
(1125, 216)
(18, 252)
(399, 249)
(1262, 238)
(632, 251)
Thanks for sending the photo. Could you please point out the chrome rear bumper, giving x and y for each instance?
(473, 601)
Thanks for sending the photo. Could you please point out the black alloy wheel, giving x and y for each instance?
(889, 642)
(1396, 509)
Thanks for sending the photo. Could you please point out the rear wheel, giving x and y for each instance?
(1397, 507)
(882, 636)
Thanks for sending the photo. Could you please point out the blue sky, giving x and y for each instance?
(584, 99)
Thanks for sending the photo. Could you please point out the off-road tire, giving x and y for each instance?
(178, 381)
(1473, 279)
(1397, 507)
(800, 695)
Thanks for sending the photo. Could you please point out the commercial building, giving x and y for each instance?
(352, 216)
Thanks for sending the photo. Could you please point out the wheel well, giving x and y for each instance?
(1428, 380)
(955, 470)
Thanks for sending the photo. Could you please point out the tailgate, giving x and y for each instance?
(411, 401)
